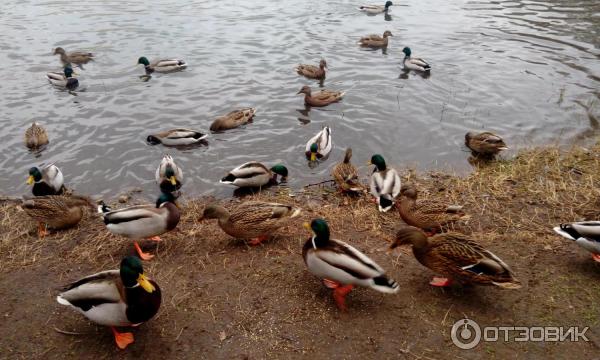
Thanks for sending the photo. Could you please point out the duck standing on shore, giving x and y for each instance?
(346, 175)
(385, 183)
(586, 234)
(56, 212)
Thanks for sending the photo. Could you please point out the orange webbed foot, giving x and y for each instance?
(330, 284)
(42, 231)
(155, 238)
(122, 339)
(440, 281)
(339, 295)
(141, 254)
(258, 240)
(596, 257)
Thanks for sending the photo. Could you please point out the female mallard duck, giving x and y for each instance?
(75, 57)
(162, 66)
(585, 234)
(254, 220)
(56, 211)
(176, 137)
(124, 297)
(412, 63)
(485, 143)
(255, 174)
(233, 119)
(341, 266)
(143, 221)
(385, 183)
(319, 146)
(457, 257)
(47, 180)
(35, 136)
(346, 175)
(311, 71)
(375, 41)
(169, 176)
(64, 79)
(321, 98)
(376, 9)
(428, 215)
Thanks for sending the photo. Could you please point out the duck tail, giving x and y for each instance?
(295, 212)
(384, 284)
(103, 208)
(514, 284)
(385, 204)
(62, 301)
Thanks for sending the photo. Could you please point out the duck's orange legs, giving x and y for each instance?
(42, 232)
(155, 238)
(142, 255)
(440, 281)
(339, 295)
(122, 339)
(258, 240)
(596, 257)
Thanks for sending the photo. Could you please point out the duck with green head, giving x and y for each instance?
(255, 174)
(46, 180)
(320, 145)
(64, 79)
(414, 63)
(162, 66)
(385, 183)
(376, 9)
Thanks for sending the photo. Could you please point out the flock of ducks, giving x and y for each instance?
(127, 297)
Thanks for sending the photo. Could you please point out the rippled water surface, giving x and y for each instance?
(528, 70)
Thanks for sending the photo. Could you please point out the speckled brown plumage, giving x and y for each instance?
(346, 175)
(485, 143)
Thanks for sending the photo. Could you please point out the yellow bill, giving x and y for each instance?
(173, 180)
(145, 283)
(30, 180)
(313, 157)
(307, 226)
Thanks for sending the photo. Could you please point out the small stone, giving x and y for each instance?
(123, 199)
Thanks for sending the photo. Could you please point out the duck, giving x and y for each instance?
(75, 57)
(233, 119)
(586, 234)
(321, 98)
(56, 212)
(346, 175)
(143, 221)
(176, 137)
(312, 71)
(251, 220)
(36, 136)
(162, 66)
(46, 180)
(123, 297)
(412, 63)
(64, 79)
(169, 176)
(385, 183)
(319, 146)
(457, 257)
(429, 215)
(255, 174)
(341, 266)
(375, 41)
(485, 143)
(376, 9)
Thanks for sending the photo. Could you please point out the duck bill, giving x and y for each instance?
(313, 157)
(369, 163)
(307, 226)
(30, 180)
(145, 283)
(173, 180)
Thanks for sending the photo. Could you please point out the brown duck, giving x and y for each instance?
(312, 71)
(321, 98)
(346, 175)
(35, 136)
(56, 211)
(233, 119)
(485, 143)
(75, 57)
(375, 40)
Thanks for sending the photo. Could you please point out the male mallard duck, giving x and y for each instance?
(341, 266)
(428, 215)
(376, 9)
(75, 57)
(162, 66)
(319, 146)
(485, 143)
(585, 234)
(457, 257)
(47, 180)
(56, 211)
(176, 137)
(255, 174)
(385, 183)
(124, 297)
(346, 175)
(411, 63)
(143, 221)
(321, 98)
(311, 71)
(35, 136)
(233, 119)
(169, 176)
(254, 220)
(64, 79)
(375, 40)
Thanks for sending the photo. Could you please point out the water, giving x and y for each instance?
(528, 70)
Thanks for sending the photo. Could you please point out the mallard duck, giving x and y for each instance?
(176, 137)
(47, 180)
(376, 9)
(35, 136)
(64, 79)
(485, 143)
(124, 297)
(321, 98)
(319, 146)
(341, 266)
(169, 176)
(346, 175)
(312, 71)
(375, 41)
(75, 57)
(385, 183)
(233, 119)
(428, 215)
(254, 220)
(585, 234)
(56, 211)
(457, 257)
(255, 174)
(162, 66)
(411, 63)
(143, 221)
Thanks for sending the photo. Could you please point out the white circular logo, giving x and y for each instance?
(466, 334)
